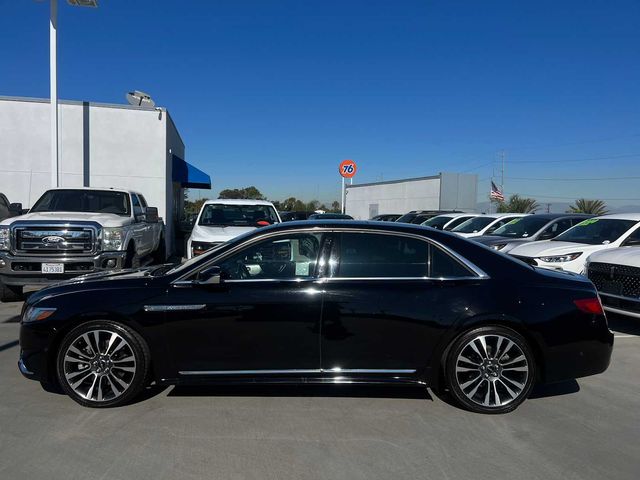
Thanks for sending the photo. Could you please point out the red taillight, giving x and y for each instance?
(590, 305)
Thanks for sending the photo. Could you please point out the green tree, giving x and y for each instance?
(335, 206)
(312, 206)
(193, 207)
(518, 204)
(582, 205)
(251, 193)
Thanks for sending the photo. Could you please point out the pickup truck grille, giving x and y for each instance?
(619, 280)
(54, 240)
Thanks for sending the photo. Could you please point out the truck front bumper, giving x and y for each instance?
(21, 270)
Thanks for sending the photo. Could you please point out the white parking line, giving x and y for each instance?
(626, 336)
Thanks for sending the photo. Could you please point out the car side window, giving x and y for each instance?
(143, 201)
(556, 228)
(443, 265)
(285, 257)
(633, 239)
(497, 225)
(379, 255)
(4, 208)
(137, 208)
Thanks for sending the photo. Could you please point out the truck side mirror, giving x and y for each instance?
(150, 214)
(15, 209)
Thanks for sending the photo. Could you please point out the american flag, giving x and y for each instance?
(496, 193)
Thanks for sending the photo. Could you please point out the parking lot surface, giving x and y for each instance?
(587, 429)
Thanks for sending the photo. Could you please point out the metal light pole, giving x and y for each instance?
(53, 82)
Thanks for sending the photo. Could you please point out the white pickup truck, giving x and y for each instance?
(75, 231)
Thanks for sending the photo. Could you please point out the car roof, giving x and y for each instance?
(237, 201)
(96, 189)
(553, 216)
(621, 216)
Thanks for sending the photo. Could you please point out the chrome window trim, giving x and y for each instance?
(297, 371)
(480, 274)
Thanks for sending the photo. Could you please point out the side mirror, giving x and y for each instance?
(150, 214)
(210, 276)
(15, 209)
(546, 236)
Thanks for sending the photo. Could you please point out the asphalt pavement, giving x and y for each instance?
(589, 429)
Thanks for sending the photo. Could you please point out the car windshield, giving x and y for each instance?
(222, 215)
(437, 222)
(596, 231)
(521, 227)
(473, 225)
(90, 201)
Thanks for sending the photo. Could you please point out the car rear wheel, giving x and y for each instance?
(490, 370)
(102, 364)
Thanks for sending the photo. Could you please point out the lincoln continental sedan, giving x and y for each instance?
(325, 302)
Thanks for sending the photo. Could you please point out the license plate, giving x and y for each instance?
(53, 268)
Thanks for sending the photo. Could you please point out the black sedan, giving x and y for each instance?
(321, 302)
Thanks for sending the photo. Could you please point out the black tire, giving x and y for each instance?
(160, 253)
(132, 259)
(487, 375)
(10, 293)
(110, 382)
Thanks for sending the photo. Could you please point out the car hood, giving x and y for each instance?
(131, 278)
(104, 219)
(629, 256)
(202, 233)
(549, 248)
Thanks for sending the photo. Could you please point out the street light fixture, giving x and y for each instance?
(53, 79)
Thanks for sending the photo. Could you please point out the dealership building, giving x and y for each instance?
(100, 145)
(445, 191)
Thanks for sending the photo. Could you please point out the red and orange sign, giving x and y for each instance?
(348, 168)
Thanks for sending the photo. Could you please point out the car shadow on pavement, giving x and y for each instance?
(623, 324)
(346, 391)
(9, 345)
(555, 389)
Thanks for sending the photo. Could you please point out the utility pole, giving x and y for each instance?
(502, 171)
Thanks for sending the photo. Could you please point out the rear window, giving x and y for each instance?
(473, 225)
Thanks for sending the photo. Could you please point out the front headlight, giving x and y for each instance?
(112, 239)
(4, 238)
(498, 246)
(36, 313)
(561, 258)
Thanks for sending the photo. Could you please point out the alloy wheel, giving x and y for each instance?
(99, 365)
(492, 370)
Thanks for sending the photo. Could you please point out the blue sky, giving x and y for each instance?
(276, 93)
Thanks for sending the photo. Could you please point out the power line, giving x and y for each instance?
(584, 179)
(567, 198)
(612, 157)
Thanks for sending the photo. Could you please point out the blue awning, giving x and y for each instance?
(189, 176)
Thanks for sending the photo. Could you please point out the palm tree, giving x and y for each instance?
(594, 207)
(518, 204)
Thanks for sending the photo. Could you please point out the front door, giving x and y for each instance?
(264, 316)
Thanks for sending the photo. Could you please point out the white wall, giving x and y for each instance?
(393, 197)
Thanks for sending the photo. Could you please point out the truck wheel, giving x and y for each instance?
(10, 293)
(132, 260)
(160, 254)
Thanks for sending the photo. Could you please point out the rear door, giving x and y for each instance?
(388, 299)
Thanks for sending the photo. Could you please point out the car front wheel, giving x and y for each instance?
(102, 364)
(490, 370)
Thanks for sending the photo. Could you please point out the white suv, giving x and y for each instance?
(569, 250)
(222, 220)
